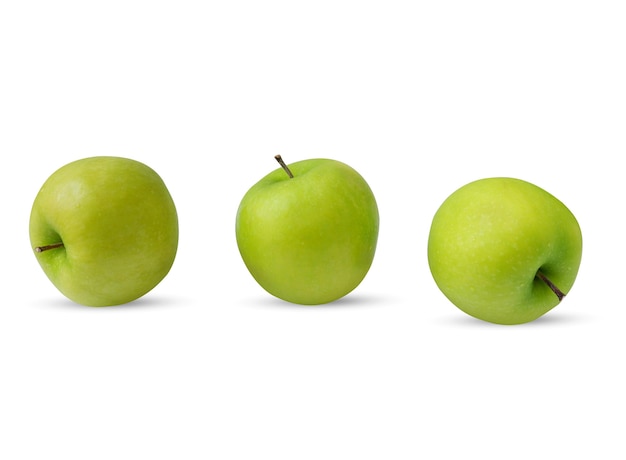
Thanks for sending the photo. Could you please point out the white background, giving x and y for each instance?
(420, 98)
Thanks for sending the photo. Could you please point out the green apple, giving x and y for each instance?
(504, 250)
(104, 230)
(307, 232)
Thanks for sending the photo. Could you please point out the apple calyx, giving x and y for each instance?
(551, 285)
(48, 247)
(284, 166)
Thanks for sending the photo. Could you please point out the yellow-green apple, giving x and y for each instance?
(104, 230)
(504, 250)
(307, 232)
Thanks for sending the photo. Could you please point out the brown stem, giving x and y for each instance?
(282, 163)
(48, 246)
(551, 285)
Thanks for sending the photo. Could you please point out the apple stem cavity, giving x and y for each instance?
(48, 247)
(551, 285)
(282, 163)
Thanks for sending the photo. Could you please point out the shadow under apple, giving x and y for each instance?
(348, 301)
(547, 320)
(147, 301)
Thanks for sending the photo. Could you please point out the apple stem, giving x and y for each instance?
(282, 163)
(48, 246)
(551, 285)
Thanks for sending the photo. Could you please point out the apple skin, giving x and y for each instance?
(118, 225)
(309, 239)
(488, 241)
